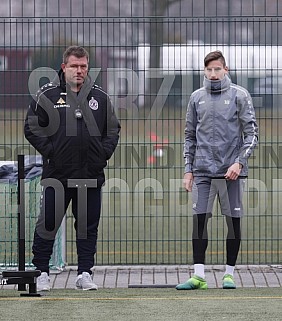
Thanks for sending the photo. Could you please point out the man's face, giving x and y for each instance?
(75, 70)
(215, 70)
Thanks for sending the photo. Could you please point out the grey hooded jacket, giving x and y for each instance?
(220, 130)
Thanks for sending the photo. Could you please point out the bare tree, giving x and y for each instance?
(157, 10)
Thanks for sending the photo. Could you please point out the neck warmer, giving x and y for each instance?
(217, 86)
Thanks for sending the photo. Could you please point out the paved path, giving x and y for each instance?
(124, 276)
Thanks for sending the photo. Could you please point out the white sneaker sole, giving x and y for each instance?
(86, 289)
(44, 289)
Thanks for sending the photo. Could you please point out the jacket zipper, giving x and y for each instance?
(80, 137)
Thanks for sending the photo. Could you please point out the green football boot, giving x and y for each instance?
(228, 282)
(194, 283)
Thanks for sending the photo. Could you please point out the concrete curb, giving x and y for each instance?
(166, 276)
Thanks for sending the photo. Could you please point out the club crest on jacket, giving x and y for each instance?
(93, 104)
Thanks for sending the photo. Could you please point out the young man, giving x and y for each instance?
(72, 124)
(220, 134)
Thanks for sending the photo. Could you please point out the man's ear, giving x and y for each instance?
(63, 66)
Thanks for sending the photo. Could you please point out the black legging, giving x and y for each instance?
(200, 238)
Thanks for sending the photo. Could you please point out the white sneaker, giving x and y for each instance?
(43, 282)
(84, 282)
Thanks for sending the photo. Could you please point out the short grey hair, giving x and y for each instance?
(77, 51)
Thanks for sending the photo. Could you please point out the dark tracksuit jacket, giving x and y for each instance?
(72, 148)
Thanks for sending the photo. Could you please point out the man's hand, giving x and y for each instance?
(233, 171)
(188, 181)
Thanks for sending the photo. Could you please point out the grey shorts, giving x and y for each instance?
(229, 192)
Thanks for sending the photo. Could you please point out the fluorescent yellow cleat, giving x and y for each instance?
(194, 283)
(228, 282)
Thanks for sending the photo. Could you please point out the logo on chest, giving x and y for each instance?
(61, 103)
(93, 103)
